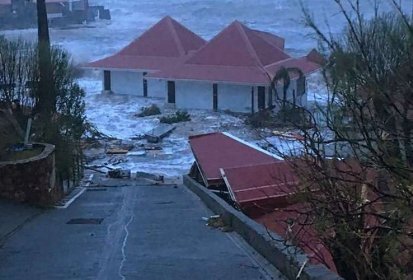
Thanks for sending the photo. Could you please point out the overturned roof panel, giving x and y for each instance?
(221, 150)
(254, 184)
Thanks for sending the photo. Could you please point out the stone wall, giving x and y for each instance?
(31, 180)
(288, 260)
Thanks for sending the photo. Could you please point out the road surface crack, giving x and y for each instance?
(125, 241)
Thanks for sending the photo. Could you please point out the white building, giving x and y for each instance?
(234, 72)
(164, 44)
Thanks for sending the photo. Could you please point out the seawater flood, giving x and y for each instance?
(115, 115)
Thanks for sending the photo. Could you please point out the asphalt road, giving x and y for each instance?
(139, 232)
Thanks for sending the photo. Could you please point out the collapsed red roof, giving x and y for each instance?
(221, 150)
(262, 184)
(239, 55)
(165, 43)
(294, 225)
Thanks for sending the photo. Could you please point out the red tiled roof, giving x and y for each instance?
(163, 44)
(303, 234)
(306, 64)
(131, 62)
(237, 45)
(237, 54)
(220, 150)
(258, 183)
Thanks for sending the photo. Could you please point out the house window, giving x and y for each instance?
(171, 92)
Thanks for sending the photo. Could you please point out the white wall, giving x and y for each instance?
(157, 88)
(235, 98)
(127, 82)
(193, 95)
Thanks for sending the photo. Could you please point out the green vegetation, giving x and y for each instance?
(362, 211)
(286, 117)
(56, 104)
(179, 116)
(149, 111)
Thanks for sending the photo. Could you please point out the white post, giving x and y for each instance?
(28, 128)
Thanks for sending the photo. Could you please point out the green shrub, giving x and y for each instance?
(149, 111)
(179, 116)
(260, 119)
(293, 116)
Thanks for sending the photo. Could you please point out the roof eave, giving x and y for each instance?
(212, 81)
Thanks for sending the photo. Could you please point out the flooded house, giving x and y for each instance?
(166, 43)
(233, 71)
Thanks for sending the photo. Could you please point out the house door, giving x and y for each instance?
(215, 97)
(171, 92)
(261, 98)
(106, 81)
(145, 86)
(270, 101)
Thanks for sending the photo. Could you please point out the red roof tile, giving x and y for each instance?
(301, 232)
(237, 45)
(237, 54)
(305, 64)
(221, 150)
(261, 183)
(163, 44)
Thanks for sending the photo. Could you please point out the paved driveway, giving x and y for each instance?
(128, 232)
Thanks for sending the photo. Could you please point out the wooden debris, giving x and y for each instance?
(288, 135)
(149, 176)
(116, 151)
(137, 153)
(216, 221)
(119, 173)
(150, 147)
(162, 130)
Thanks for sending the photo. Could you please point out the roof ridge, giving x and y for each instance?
(279, 62)
(178, 41)
(260, 65)
(253, 146)
(250, 48)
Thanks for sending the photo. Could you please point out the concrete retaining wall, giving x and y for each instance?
(31, 180)
(269, 245)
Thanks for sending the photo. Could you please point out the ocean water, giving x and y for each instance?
(205, 17)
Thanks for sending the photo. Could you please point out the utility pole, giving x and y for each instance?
(46, 95)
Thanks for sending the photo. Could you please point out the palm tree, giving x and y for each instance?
(284, 75)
